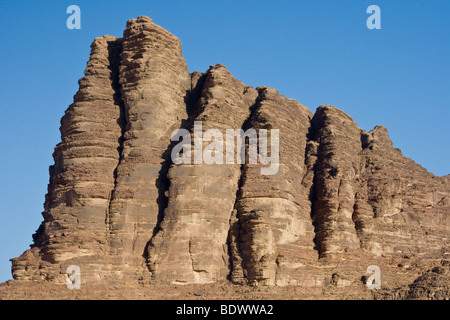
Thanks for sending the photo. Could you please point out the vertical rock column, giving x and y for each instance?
(401, 208)
(273, 211)
(154, 80)
(81, 181)
(338, 163)
(191, 246)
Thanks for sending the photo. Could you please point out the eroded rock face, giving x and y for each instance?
(118, 207)
(83, 177)
(337, 166)
(183, 251)
(273, 211)
(154, 81)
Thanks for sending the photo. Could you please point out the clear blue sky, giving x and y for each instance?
(317, 52)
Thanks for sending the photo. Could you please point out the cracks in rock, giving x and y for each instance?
(135, 234)
(440, 202)
(313, 192)
(357, 223)
(360, 184)
(233, 241)
(162, 182)
(114, 50)
(235, 253)
(190, 255)
(192, 259)
(310, 164)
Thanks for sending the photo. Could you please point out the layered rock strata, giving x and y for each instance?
(154, 81)
(83, 176)
(121, 209)
(183, 251)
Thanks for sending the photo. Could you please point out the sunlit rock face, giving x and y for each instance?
(118, 207)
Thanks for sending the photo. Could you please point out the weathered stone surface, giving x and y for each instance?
(402, 208)
(434, 284)
(154, 80)
(273, 211)
(337, 166)
(369, 196)
(191, 246)
(82, 179)
(340, 200)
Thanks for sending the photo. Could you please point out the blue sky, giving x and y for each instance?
(317, 52)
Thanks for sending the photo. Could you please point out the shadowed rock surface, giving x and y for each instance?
(341, 199)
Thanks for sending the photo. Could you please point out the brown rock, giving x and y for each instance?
(191, 246)
(154, 80)
(82, 179)
(340, 199)
(273, 211)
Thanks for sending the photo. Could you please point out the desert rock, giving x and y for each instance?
(118, 207)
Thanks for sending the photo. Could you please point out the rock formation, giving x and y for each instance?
(120, 209)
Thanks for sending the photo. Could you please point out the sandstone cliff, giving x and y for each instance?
(119, 208)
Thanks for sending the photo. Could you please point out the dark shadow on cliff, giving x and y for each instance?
(162, 183)
(115, 49)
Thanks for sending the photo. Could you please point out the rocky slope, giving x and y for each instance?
(117, 206)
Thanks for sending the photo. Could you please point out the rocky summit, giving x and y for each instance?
(126, 215)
